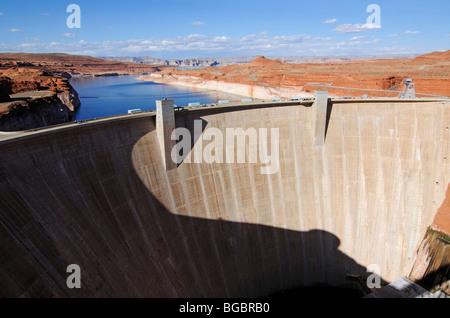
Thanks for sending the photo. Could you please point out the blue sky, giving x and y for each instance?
(200, 28)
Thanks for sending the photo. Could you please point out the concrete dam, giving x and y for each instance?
(358, 184)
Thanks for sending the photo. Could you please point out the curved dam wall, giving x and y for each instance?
(98, 195)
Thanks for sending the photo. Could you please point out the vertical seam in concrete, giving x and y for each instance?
(298, 189)
(258, 231)
(274, 231)
(361, 204)
(197, 245)
(237, 216)
(208, 212)
(180, 227)
(284, 210)
(158, 224)
(347, 227)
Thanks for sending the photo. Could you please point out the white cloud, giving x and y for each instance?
(291, 38)
(45, 13)
(197, 23)
(393, 35)
(330, 21)
(193, 37)
(195, 45)
(1, 13)
(221, 38)
(358, 37)
(132, 48)
(321, 38)
(354, 42)
(413, 32)
(191, 44)
(355, 28)
(69, 35)
(15, 30)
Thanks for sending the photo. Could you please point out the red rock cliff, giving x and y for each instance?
(25, 112)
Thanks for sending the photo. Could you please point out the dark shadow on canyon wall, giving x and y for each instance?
(437, 279)
(75, 198)
(435, 248)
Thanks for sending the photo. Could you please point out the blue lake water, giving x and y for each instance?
(115, 95)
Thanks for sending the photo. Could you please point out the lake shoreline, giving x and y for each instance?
(115, 95)
(252, 91)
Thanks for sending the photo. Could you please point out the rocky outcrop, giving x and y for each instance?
(22, 72)
(70, 99)
(25, 79)
(35, 113)
(442, 219)
(376, 78)
(264, 62)
(432, 266)
(38, 99)
(442, 55)
(5, 89)
(224, 61)
(391, 82)
(192, 62)
(66, 64)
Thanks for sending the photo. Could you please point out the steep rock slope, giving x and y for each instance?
(38, 99)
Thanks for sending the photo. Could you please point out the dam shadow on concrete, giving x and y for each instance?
(128, 244)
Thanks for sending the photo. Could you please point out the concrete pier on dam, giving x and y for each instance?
(358, 184)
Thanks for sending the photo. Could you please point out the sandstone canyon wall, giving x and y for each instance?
(39, 99)
(264, 78)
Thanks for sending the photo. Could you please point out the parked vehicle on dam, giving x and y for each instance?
(134, 111)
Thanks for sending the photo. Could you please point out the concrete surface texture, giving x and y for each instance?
(98, 195)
